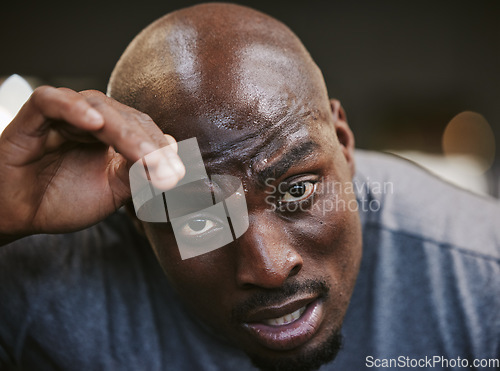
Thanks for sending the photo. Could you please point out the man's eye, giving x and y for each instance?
(196, 227)
(298, 192)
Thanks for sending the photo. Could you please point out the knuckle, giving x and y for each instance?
(170, 139)
(65, 90)
(95, 100)
(144, 118)
(125, 132)
(90, 93)
(40, 94)
(66, 100)
(74, 106)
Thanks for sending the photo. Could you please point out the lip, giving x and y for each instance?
(291, 335)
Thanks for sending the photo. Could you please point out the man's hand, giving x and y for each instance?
(64, 161)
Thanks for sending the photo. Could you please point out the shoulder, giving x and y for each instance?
(38, 263)
(413, 202)
(40, 255)
(429, 279)
(61, 286)
(40, 268)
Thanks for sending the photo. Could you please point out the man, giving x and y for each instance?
(278, 296)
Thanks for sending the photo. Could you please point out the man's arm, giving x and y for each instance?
(64, 161)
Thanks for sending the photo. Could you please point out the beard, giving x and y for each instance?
(309, 361)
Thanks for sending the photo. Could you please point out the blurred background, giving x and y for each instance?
(420, 79)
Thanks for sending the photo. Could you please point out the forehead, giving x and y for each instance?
(258, 122)
(235, 88)
(243, 105)
(269, 153)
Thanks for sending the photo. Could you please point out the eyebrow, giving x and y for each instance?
(291, 158)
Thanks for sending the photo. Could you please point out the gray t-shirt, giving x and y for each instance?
(429, 286)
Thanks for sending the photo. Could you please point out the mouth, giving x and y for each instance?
(287, 326)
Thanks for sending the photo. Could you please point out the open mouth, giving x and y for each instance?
(286, 319)
(288, 326)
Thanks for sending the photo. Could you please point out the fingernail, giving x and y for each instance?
(173, 145)
(178, 166)
(93, 117)
(163, 171)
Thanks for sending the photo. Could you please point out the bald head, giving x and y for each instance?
(217, 67)
(244, 85)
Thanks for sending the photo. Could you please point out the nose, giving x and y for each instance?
(265, 256)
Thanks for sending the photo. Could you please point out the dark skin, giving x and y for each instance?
(245, 87)
(52, 141)
(250, 97)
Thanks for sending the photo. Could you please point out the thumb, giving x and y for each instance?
(118, 179)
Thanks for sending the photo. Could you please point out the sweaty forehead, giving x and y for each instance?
(223, 73)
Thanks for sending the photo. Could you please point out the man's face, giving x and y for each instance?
(280, 291)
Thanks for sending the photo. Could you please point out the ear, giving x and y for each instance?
(344, 133)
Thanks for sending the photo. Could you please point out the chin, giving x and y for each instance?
(309, 360)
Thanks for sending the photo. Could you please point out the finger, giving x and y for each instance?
(160, 160)
(61, 104)
(118, 175)
(147, 124)
(126, 133)
(159, 164)
(171, 142)
(54, 140)
(30, 132)
(72, 133)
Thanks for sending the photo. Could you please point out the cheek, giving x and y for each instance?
(197, 281)
(331, 221)
(329, 235)
(201, 284)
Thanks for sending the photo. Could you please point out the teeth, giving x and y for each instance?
(287, 318)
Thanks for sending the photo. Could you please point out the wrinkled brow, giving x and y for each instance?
(290, 158)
